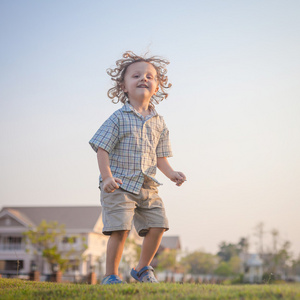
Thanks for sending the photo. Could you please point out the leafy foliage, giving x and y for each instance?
(167, 260)
(200, 262)
(296, 266)
(45, 239)
(232, 267)
(136, 249)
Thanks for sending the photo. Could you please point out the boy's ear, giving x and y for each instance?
(156, 90)
(123, 87)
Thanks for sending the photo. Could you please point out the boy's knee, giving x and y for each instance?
(157, 230)
(121, 234)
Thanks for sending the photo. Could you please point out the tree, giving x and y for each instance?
(282, 259)
(200, 262)
(223, 269)
(275, 236)
(243, 245)
(133, 251)
(296, 266)
(228, 250)
(130, 257)
(228, 268)
(277, 260)
(260, 234)
(45, 239)
(235, 264)
(167, 260)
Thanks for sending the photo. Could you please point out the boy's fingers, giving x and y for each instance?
(112, 186)
(115, 186)
(110, 190)
(181, 179)
(118, 180)
(182, 175)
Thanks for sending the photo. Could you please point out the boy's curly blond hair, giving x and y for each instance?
(117, 75)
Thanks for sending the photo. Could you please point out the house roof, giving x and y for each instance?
(254, 260)
(170, 242)
(74, 217)
(20, 216)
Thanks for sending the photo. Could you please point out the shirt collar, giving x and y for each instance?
(129, 108)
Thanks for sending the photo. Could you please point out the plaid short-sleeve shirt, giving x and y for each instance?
(133, 143)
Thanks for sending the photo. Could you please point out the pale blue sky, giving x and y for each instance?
(233, 111)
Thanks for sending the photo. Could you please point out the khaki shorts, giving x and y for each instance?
(120, 208)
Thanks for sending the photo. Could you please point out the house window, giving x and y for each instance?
(11, 243)
(69, 240)
(2, 265)
(73, 266)
(11, 265)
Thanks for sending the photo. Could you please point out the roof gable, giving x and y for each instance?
(74, 217)
(13, 218)
(171, 242)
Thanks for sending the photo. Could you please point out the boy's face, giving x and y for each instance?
(140, 81)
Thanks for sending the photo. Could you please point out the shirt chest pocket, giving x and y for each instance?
(153, 133)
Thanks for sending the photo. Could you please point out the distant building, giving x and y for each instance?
(82, 221)
(252, 268)
(167, 243)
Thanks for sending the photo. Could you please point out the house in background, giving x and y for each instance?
(84, 222)
(167, 244)
(252, 268)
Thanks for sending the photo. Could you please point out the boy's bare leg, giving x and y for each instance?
(150, 246)
(114, 251)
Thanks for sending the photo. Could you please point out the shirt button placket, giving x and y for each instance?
(142, 146)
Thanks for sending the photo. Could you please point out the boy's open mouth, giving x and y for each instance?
(142, 86)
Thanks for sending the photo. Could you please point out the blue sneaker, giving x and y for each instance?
(146, 274)
(111, 279)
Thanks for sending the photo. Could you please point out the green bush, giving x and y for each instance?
(238, 280)
(268, 278)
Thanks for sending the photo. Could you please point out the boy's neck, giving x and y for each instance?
(141, 106)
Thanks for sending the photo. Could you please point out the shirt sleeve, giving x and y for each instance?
(163, 148)
(106, 136)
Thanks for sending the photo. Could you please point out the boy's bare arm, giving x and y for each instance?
(165, 167)
(110, 183)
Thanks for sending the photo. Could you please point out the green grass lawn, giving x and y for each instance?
(19, 289)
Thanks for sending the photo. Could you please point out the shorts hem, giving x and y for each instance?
(109, 231)
(144, 230)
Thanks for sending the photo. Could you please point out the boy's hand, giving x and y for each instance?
(110, 184)
(178, 177)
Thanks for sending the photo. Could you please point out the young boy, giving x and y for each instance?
(130, 145)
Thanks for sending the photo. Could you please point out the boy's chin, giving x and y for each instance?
(142, 95)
